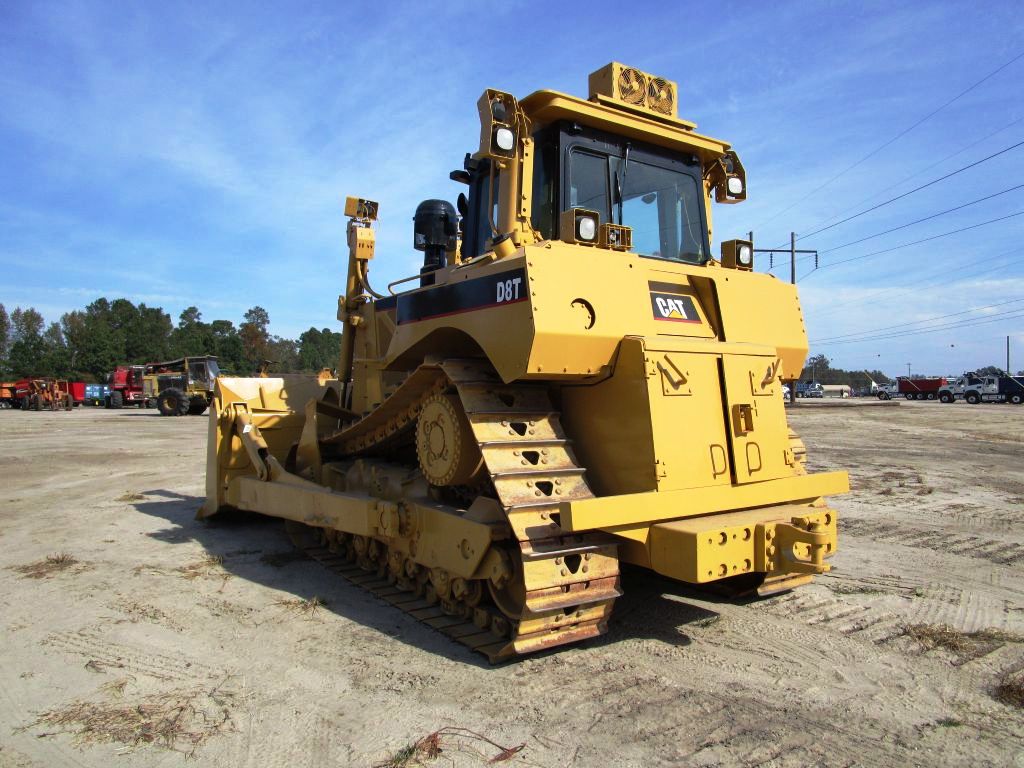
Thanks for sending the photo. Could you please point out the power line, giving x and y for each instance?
(918, 221)
(905, 194)
(923, 240)
(919, 322)
(1012, 315)
(904, 226)
(898, 136)
(915, 189)
(917, 173)
(909, 224)
(871, 298)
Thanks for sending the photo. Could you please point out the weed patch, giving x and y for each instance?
(454, 740)
(49, 565)
(964, 645)
(1010, 689)
(180, 720)
(304, 607)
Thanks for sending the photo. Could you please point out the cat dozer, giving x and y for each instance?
(571, 382)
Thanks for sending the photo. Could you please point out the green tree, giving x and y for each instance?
(255, 336)
(192, 336)
(5, 336)
(148, 335)
(56, 356)
(27, 348)
(318, 349)
(97, 336)
(227, 346)
(284, 353)
(817, 368)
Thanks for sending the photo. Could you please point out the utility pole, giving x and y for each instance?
(1008, 371)
(792, 257)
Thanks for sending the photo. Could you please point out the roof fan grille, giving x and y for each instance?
(632, 85)
(659, 96)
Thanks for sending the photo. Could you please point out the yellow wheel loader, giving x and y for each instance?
(571, 382)
(181, 387)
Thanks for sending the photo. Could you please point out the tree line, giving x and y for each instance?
(87, 344)
(819, 368)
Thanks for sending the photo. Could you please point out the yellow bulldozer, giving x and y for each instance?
(572, 381)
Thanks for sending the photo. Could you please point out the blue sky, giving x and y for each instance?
(199, 153)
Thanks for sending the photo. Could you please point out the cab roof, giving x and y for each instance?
(545, 107)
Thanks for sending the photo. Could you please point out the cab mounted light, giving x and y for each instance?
(617, 237)
(579, 225)
(738, 254)
(498, 112)
(729, 179)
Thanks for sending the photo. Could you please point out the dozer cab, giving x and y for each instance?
(183, 386)
(571, 382)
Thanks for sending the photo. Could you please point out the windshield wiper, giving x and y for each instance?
(620, 181)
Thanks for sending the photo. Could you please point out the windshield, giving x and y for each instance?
(661, 205)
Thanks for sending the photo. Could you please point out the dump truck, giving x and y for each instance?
(994, 389)
(570, 382)
(912, 388)
(181, 387)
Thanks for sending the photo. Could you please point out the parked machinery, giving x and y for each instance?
(44, 394)
(183, 386)
(125, 387)
(974, 389)
(96, 394)
(577, 383)
(912, 388)
(809, 389)
(8, 396)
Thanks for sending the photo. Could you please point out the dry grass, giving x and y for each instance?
(49, 565)
(116, 687)
(137, 612)
(427, 748)
(180, 720)
(1010, 689)
(209, 566)
(965, 645)
(130, 497)
(305, 607)
(458, 740)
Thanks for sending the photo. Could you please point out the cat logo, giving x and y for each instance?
(674, 307)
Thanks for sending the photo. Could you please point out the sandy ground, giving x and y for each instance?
(146, 622)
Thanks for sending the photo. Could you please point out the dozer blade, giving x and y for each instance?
(276, 406)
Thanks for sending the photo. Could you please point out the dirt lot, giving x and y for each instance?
(124, 620)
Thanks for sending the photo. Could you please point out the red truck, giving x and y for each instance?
(125, 385)
(916, 388)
